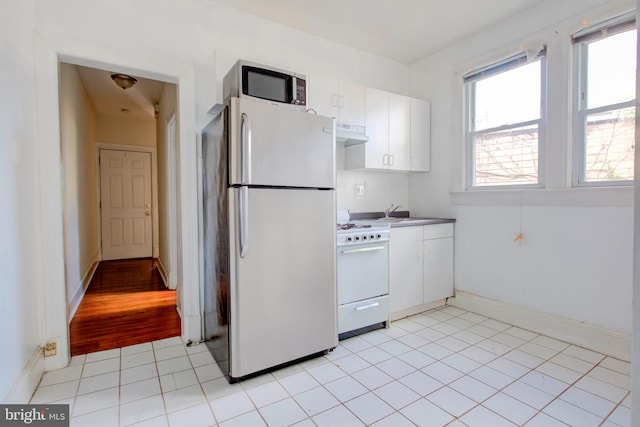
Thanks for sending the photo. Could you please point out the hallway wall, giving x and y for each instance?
(80, 185)
(167, 107)
(125, 131)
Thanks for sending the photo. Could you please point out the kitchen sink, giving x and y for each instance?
(401, 219)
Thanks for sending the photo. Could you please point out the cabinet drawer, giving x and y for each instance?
(437, 231)
(363, 313)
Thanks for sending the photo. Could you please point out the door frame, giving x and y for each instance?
(171, 128)
(51, 48)
(155, 248)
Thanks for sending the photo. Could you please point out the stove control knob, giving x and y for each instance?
(349, 239)
(364, 237)
(357, 238)
(372, 237)
(379, 236)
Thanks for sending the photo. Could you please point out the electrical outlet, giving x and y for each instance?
(360, 190)
(50, 349)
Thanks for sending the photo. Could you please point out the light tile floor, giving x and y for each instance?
(442, 367)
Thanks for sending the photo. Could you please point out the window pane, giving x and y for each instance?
(612, 70)
(610, 145)
(508, 98)
(507, 157)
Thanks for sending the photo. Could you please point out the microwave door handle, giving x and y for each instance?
(245, 149)
(243, 221)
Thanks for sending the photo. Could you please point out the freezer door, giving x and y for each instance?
(275, 146)
(283, 275)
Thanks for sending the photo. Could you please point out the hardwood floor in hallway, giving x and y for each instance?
(126, 303)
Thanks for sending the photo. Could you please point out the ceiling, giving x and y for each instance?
(108, 99)
(403, 30)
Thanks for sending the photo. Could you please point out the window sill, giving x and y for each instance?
(620, 196)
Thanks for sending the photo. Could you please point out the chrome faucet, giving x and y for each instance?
(388, 212)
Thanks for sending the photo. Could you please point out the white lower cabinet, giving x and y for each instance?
(406, 268)
(420, 268)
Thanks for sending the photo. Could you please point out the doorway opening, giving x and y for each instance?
(127, 303)
(118, 208)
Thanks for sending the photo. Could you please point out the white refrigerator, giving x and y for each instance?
(268, 236)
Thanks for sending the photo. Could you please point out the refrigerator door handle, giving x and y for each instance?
(243, 212)
(245, 147)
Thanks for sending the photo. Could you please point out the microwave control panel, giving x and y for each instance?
(301, 92)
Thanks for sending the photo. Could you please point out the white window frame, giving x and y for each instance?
(510, 63)
(580, 40)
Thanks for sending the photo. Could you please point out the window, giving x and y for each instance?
(606, 88)
(505, 122)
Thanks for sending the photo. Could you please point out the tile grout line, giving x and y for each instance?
(395, 339)
(164, 402)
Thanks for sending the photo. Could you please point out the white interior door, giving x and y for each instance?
(125, 202)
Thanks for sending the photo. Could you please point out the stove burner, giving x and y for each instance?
(350, 225)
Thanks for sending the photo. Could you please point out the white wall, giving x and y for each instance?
(80, 181)
(576, 260)
(20, 246)
(125, 131)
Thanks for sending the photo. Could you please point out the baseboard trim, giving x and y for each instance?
(416, 310)
(191, 328)
(602, 340)
(78, 294)
(28, 380)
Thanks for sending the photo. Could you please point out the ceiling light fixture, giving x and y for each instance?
(124, 81)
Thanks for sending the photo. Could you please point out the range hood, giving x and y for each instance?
(350, 134)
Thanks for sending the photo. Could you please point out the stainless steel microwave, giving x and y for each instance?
(250, 80)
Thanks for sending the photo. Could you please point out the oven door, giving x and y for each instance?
(363, 271)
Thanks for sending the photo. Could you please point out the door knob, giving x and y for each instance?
(147, 213)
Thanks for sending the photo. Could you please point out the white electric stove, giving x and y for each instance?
(363, 275)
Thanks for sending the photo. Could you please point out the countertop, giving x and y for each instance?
(400, 219)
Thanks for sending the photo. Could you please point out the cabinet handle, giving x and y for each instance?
(364, 307)
(341, 103)
(393, 159)
(334, 100)
(385, 159)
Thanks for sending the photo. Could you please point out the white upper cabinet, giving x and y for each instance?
(398, 127)
(323, 95)
(333, 98)
(399, 132)
(388, 126)
(352, 99)
(375, 151)
(420, 135)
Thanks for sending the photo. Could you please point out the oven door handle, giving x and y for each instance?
(369, 249)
